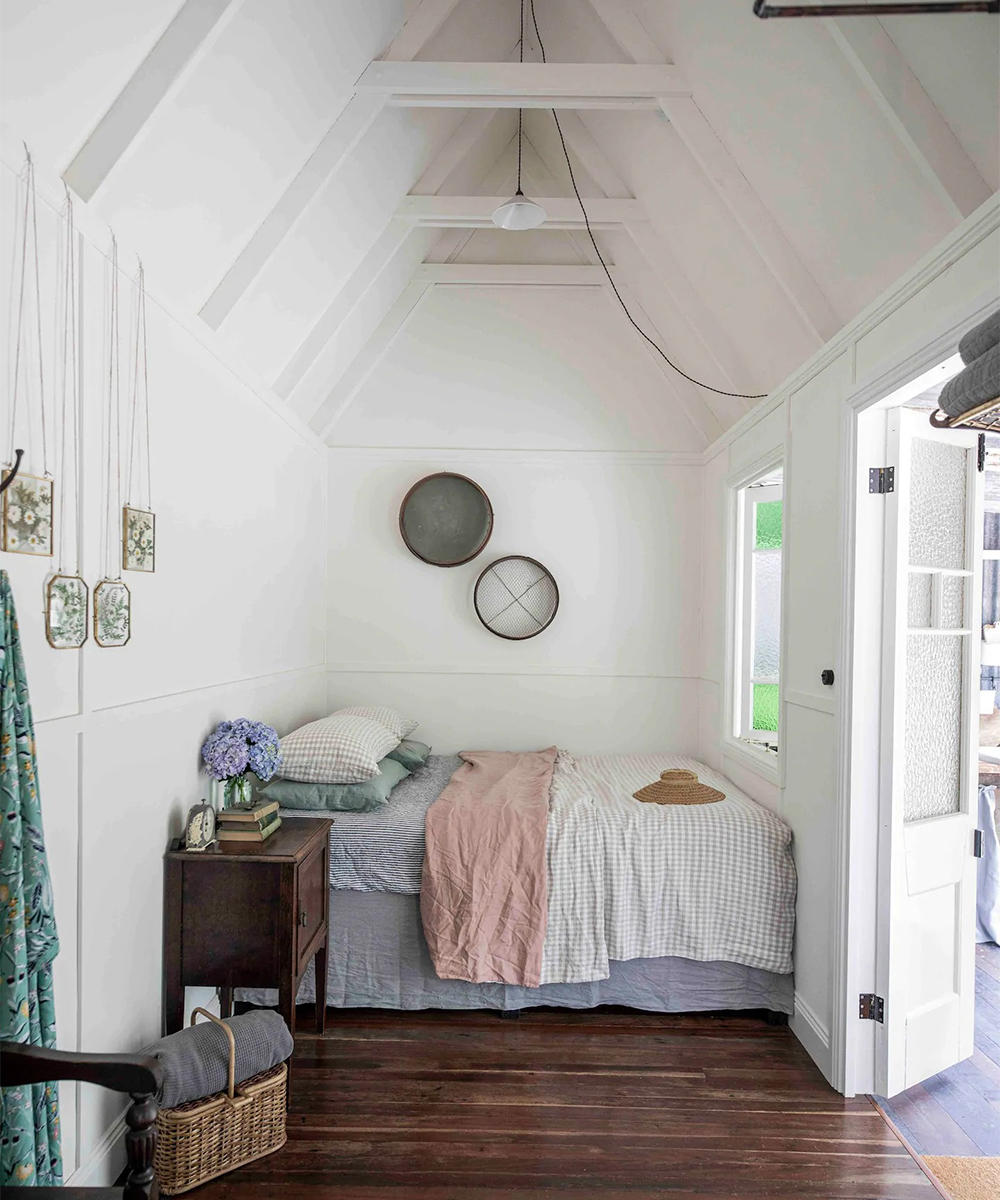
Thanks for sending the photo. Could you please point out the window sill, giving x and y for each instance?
(760, 762)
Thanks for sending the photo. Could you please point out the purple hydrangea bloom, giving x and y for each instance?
(239, 745)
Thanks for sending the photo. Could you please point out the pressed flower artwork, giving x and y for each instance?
(66, 612)
(27, 516)
(138, 539)
(112, 613)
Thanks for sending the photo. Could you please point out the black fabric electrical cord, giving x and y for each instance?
(597, 250)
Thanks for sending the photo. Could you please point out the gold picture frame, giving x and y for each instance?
(28, 505)
(66, 604)
(112, 614)
(138, 540)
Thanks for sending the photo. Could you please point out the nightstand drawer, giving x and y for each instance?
(312, 900)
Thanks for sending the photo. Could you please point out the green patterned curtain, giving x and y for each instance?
(29, 1139)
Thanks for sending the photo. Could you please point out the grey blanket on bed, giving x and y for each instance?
(195, 1060)
(383, 851)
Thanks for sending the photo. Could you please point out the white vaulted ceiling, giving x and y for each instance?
(313, 179)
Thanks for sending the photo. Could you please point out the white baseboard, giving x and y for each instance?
(107, 1161)
(814, 1035)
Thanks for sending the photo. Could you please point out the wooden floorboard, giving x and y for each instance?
(609, 1104)
(958, 1111)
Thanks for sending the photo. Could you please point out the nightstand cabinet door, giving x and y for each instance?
(312, 896)
(230, 933)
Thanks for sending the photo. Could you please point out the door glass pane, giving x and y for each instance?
(919, 603)
(953, 602)
(933, 737)
(938, 473)
(766, 612)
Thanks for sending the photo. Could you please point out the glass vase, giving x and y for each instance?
(237, 792)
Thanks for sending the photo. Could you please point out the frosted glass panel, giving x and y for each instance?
(953, 603)
(933, 736)
(919, 604)
(766, 612)
(937, 504)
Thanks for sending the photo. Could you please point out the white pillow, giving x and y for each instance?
(342, 748)
(399, 725)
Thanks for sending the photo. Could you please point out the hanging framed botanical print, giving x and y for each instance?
(138, 539)
(66, 612)
(27, 516)
(112, 613)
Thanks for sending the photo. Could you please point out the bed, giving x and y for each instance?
(714, 887)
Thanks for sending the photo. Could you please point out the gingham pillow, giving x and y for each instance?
(393, 721)
(343, 748)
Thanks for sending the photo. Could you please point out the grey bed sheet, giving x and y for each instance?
(378, 958)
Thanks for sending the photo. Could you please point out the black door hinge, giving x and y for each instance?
(981, 461)
(977, 843)
(871, 1007)
(881, 480)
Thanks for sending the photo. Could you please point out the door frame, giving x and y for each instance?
(855, 946)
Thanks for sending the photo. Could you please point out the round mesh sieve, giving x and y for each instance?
(516, 597)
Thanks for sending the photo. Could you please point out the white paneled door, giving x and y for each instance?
(927, 872)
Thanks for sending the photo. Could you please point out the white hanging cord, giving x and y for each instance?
(112, 562)
(69, 398)
(139, 357)
(29, 229)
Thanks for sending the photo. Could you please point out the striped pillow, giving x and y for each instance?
(343, 748)
(399, 725)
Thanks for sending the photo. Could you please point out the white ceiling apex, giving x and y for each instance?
(562, 212)
(418, 29)
(627, 29)
(473, 128)
(522, 85)
(912, 115)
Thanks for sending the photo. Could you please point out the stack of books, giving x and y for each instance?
(244, 828)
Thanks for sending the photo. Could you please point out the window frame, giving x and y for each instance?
(737, 701)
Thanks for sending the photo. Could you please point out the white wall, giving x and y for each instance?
(527, 390)
(808, 417)
(232, 623)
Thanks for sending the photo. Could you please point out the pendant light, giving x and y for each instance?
(519, 212)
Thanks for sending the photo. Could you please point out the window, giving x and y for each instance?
(757, 623)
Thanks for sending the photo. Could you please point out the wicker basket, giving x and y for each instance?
(204, 1138)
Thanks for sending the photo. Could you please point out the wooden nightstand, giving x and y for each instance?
(253, 919)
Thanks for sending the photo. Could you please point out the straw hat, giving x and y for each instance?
(678, 787)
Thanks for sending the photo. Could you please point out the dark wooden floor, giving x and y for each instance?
(958, 1111)
(616, 1105)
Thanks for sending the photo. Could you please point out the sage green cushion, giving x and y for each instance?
(410, 754)
(339, 797)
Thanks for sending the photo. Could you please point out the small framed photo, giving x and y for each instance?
(27, 516)
(66, 612)
(138, 540)
(112, 613)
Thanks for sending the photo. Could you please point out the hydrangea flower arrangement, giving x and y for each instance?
(237, 747)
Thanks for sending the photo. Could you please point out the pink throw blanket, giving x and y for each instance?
(483, 896)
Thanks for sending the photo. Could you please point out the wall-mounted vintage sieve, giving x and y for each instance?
(446, 519)
(516, 597)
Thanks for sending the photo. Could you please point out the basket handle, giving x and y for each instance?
(232, 1046)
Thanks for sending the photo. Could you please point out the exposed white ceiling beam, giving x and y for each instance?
(424, 23)
(354, 121)
(181, 46)
(912, 115)
(627, 29)
(473, 126)
(350, 295)
(360, 368)
(729, 182)
(562, 212)
(734, 373)
(512, 274)
(522, 85)
(752, 215)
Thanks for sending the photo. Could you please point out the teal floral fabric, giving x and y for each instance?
(29, 1137)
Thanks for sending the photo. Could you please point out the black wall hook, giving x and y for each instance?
(9, 479)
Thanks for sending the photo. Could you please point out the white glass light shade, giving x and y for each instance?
(519, 213)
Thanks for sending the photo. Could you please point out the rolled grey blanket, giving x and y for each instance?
(975, 384)
(984, 337)
(195, 1060)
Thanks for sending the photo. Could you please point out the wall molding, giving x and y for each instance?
(106, 1162)
(541, 669)
(813, 1034)
(485, 455)
(823, 704)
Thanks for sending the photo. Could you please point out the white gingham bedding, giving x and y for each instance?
(711, 882)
